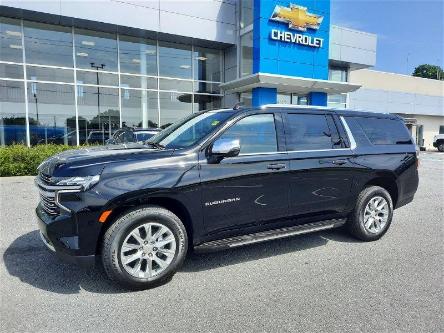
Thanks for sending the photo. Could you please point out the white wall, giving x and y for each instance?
(212, 20)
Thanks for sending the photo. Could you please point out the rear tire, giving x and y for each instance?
(372, 214)
(144, 248)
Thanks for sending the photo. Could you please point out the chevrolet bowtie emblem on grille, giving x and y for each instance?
(297, 17)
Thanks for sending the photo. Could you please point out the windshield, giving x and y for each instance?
(190, 130)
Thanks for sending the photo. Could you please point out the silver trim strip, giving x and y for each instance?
(57, 202)
(48, 245)
(349, 134)
(283, 235)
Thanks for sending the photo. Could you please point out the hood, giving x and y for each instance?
(91, 161)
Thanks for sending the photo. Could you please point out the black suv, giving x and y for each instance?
(222, 179)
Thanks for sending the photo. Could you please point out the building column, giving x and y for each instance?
(262, 96)
(317, 98)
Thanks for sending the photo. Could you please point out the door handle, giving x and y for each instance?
(339, 162)
(276, 166)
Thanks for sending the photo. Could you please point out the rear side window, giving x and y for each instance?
(385, 131)
(308, 132)
(256, 133)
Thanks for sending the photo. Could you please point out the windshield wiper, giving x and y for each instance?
(155, 145)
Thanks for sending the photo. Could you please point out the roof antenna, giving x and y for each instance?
(237, 106)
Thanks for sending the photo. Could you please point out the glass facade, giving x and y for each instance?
(72, 86)
(337, 74)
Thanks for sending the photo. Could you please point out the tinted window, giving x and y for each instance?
(191, 130)
(385, 131)
(308, 132)
(143, 136)
(257, 134)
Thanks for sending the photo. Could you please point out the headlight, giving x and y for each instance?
(86, 182)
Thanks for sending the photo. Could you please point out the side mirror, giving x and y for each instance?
(225, 148)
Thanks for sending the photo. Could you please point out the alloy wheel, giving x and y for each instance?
(148, 250)
(376, 214)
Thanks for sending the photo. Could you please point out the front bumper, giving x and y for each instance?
(59, 235)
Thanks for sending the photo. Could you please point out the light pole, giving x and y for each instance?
(96, 67)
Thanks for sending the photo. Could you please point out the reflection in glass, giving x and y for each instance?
(12, 113)
(97, 78)
(95, 48)
(337, 101)
(246, 10)
(207, 87)
(337, 74)
(137, 55)
(175, 85)
(283, 98)
(246, 42)
(246, 99)
(257, 134)
(175, 60)
(47, 44)
(50, 74)
(206, 102)
(139, 108)
(173, 106)
(52, 115)
(143, 82)
(11, 71)
(99, 115)
(207, 64)
(10, 40)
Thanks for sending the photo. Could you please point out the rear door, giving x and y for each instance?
(251, 187)
(321, 172)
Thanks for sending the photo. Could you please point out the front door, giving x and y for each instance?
(249, 188)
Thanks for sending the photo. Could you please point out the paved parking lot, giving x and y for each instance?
(325, 281)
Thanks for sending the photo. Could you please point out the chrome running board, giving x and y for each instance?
(263, 236)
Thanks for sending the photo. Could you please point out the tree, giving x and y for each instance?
(429, 72)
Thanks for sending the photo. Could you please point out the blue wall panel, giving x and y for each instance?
(304, 58)
(284, 58)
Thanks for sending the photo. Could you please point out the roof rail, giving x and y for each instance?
(293, 106)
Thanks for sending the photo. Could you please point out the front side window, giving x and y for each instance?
(308, 132)
(257, 134)
(190, 130)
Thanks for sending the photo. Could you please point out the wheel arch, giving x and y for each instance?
(388, 183)
(172, 204)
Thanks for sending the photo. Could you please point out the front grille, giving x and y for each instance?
(47, 195)
(47, 199)
(45, 178)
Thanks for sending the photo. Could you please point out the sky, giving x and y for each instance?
(410, 32)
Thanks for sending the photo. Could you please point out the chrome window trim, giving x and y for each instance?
(266, 153)
(349, 133)
(297, 151)
(318, 150)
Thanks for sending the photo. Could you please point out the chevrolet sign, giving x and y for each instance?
(290, 37)
(297, 17)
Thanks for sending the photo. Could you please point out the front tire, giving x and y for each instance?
(441, 147)
(144, 248)
(372, 215)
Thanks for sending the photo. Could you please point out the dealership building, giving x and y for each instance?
(72, 69)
